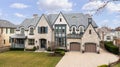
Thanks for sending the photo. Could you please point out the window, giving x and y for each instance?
(81, 29)
(73, 30)
(22, 30)
(42, 30)
(31, 42)
(11, 31)
(6, 30)
(4, 41)
(60, 19)
(9, 40)
(1, 30)
(31, 31)
(90, 32)
(108, 38)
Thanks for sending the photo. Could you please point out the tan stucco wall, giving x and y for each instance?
(91, 38)
(5, 36)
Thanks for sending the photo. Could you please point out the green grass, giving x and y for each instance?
(117, 65)
(27, 59)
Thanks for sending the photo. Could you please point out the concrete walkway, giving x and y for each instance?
(77, 59)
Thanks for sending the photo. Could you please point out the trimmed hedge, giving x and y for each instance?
(59, 51)
(103, 65)
(17, 49)
(111, 48)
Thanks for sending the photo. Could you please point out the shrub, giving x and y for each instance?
(111, 48)
(103, 65)
(60, 52)
(48, 49)
(17, 49)
(33, 49)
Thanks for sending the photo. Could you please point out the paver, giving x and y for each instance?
(78, 59)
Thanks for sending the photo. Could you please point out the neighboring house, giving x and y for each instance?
(117, 37)
(6, 30)
(106, 33)
(109, 36)
(73, 31)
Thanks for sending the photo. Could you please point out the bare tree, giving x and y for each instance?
(105, 3)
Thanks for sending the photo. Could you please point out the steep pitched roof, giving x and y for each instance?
(72, 19)
(5, 23)
(28, 22)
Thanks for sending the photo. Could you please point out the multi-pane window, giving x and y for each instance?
(31, 41)
(11, 31)
(108, 38)
(60, 35)
(4, 41)
(31, 31)
(42, 30)
(22, 30)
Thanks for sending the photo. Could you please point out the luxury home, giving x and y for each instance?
(72, 31)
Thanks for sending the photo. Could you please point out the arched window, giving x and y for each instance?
(31, 31)
(22, 30)
(81, 29)
(73, 30)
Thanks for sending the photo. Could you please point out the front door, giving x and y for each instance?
(43, 43)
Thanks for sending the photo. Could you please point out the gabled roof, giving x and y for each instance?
(28, 22)
(76, 19)
(72, 19)
(6, 24)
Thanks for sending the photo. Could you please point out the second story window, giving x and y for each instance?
(60, 19)
(11, 31)
(42, 30)
(31, 31)
(22, 30)
(1, 30)
(6, 30)
(90, 32)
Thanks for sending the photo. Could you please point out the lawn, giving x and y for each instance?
(118, 65)
(27, 59)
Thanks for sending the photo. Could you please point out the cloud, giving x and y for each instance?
(111, 23)
(19, 15)
(19, 5)
(112, 7)
(55, 5)
(94, 5)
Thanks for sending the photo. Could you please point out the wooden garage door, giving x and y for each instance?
(75, 46)
(90, 47)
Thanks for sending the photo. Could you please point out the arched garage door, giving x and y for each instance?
(74, 46)
(90, 47)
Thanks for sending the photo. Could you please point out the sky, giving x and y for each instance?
(16, 11)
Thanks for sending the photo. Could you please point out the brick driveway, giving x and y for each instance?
(77, 59)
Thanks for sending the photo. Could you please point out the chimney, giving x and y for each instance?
(89, 20)
(35, 15)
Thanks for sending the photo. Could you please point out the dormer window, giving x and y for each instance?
(22, 30)
(81, 28)
(31, 31)
(73, 30)
(60, 19)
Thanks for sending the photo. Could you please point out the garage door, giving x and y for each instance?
(90, 47)
(75, 46)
